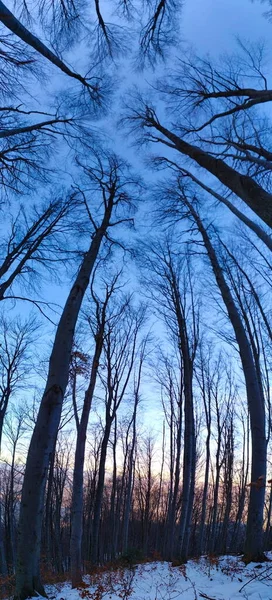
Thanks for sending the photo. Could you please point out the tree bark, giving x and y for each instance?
(256, 197)
(254, 534)
(99, 493)
(10, 21)
(28, 581)
(77, 496)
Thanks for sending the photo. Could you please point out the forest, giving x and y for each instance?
(135, 286)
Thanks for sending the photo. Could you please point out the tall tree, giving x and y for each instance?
(173, 289)
(240, 182)
(120, 349)
(113, 189)
(254, 539)
(98, 330)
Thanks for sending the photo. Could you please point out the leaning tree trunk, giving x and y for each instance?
(207, 406)
(189, 427)
(245, 187)
(171, 517)
(188, 462)
(254, 533)
(99, 492)
(28, 582)
(77, 496)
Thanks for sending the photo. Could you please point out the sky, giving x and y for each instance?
(213, 25)
(210, 26)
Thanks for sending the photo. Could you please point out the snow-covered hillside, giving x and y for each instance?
(224, 579)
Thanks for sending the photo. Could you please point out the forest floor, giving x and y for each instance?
(224, 578)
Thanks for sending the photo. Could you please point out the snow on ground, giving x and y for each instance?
(222, 579)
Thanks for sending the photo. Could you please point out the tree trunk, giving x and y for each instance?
(188, 525)
(228, 487)
(254, 535)
(130, 464)
(206, 394)
(242, 496)
(10, 21)
(99, 493)
(204, 496)
(28, 581)
(77, 496)
(256, 197)
(171, 517)
(2, 414)
(113, 495)
(3, 562)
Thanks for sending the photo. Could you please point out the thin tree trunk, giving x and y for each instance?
(268, 523)
(132, 451)
(188, 524)
(3, 561)
(242, 496)
(228, 487)
(259, 231)
(2, 415)
(99, 493)
(77, 496)
(158, 520)
(113, 494)
(10, 21)
(207, 407)
(130, 477)
(170, 532)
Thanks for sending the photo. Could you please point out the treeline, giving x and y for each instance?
(133, 494)
(218, 522)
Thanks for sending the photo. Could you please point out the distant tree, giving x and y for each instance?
(120, 347)
(98, 323)
(173, 296)
(132, 447)
(16, 341)
(14, 429)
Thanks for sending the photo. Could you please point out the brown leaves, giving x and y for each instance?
(259, 483)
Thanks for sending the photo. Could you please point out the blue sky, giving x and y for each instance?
(211, 26)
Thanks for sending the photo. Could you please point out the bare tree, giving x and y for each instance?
(254, 541)
(204, 377)
(132, 448)
(98, 325)
(36, 240)
(240, 182)
(171, 280)
(16, 341)
(120, 348)
(113, 189)
(14, 429)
